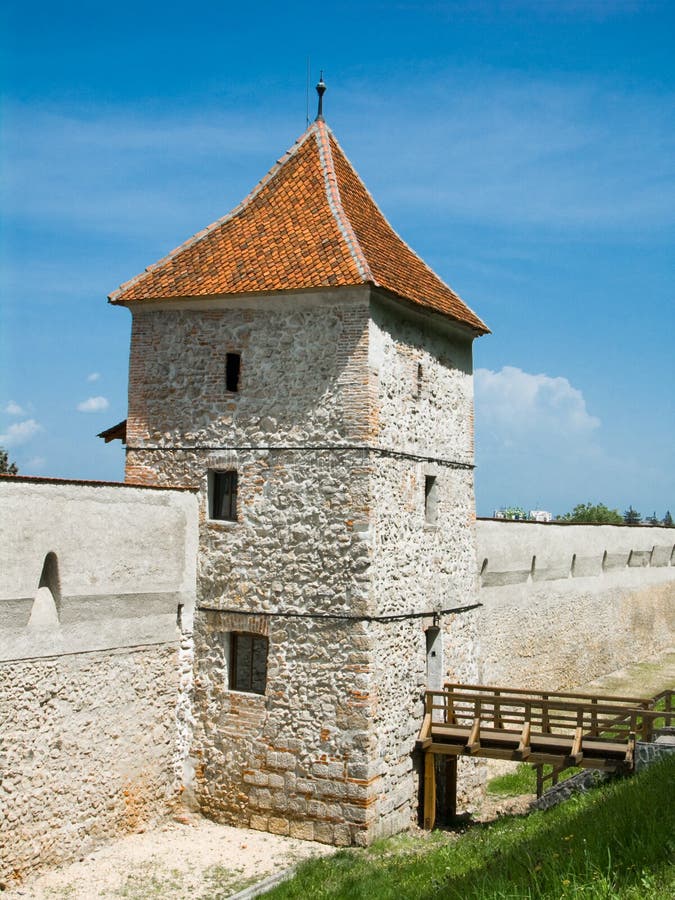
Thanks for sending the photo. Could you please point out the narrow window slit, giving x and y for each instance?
(232, 367)
(430, 500)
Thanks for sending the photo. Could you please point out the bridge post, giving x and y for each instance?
(429, 790)
(451, 787)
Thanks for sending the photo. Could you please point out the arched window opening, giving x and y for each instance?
(47, 602)
(50, 575)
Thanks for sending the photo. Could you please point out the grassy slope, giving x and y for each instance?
(617, 842)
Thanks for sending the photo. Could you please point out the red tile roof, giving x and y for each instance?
(309, 223)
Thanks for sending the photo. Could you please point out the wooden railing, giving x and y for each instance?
(664, 704)
(556, 728)
(548, 712)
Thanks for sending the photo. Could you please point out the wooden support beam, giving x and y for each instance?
(451, 787)
(429, 790)
(540, 780)
(576, 753)
(544, 715)
(425, 731)
(630, 750)
(498, 711)
(473, 744)
(523, 750)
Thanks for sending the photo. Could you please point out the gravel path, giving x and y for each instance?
(194, 858)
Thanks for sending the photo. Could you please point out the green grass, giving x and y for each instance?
(523, 780)
(615, 843)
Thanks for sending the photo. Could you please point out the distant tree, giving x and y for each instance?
(515, 512)
(632, 516)
(652, 520)
(7, 467)
(668, 519)
(593, 513)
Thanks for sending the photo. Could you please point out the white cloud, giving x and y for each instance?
(20, 433)
(513, 406)
(13, 409)
(536, 442)
(93, 404)
(93, 376)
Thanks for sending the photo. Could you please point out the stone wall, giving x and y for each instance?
(330, 537)
(118, 559)
(93, 578)
(293, 567)
(87, 751)
(564, 604)
(294, 761)
(303, 379)
(423, 560)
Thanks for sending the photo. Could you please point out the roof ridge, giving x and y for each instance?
(395, 232)
(233, 213)
(322, 135)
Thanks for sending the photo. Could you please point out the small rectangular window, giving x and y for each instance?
(248, 662)
(232, 366)
(430, 500)
(223, 496)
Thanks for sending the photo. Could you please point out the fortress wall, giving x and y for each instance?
(91, 580)
(564, 604)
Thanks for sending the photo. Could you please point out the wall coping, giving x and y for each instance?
(569, 524)
(90, 482)
(39, 479)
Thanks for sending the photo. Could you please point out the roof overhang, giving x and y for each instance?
(115, 433)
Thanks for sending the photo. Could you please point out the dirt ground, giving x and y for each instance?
(201, 860)
(192, 858)
(195, 859)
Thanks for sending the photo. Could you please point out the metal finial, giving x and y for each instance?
(321, 90)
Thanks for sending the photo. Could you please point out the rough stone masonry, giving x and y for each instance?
(339, 422)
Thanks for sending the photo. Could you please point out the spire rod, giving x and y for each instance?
(321, 90)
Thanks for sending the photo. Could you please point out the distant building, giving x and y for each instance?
(510, 512)
(518, 514)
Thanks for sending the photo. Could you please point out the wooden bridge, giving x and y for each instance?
(555, 728)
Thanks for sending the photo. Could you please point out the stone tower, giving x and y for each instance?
(313, 376)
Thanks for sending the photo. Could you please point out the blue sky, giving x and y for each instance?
(525, 149)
